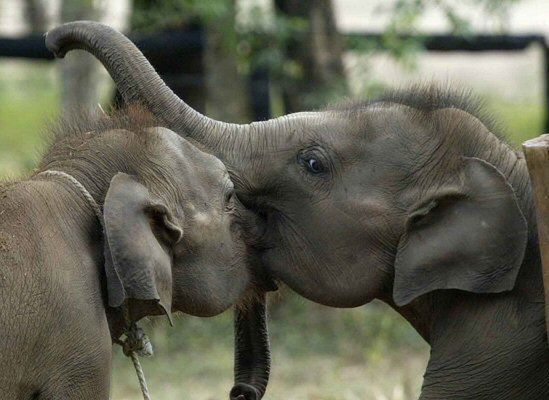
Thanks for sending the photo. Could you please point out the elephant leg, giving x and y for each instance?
(252, 353)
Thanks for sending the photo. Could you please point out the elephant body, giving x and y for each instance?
(55, 336)
(169, 237)
(411, 198)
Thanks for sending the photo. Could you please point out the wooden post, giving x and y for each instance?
(537, 157)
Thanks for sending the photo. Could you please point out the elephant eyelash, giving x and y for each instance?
(229, 198)
(318, 154)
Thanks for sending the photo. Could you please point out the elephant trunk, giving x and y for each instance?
(137, 81)
(252, 353)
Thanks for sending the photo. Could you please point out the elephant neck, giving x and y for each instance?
(92, 162)
(489, 346)
(93, 172)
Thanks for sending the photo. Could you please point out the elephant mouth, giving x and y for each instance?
(255, 220)
(260, 247)
(263, 277)
(267, 283)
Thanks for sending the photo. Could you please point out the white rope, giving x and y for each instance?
(95, 207)
(99, 214)
(140, 375)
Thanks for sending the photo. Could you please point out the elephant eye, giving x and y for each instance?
(229, 199)
(312, 163)
(314, 166)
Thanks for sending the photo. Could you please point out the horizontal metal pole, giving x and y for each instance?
(176, 43)
(172, 43)
(453, 42)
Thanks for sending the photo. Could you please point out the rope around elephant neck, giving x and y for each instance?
(83, 191)
(136, 340)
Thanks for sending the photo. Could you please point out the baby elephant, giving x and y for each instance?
(167, 236)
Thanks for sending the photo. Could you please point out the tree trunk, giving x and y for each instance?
(182, 69)
(227, 95)
(318, 52)
(36, 15)
(79, 71)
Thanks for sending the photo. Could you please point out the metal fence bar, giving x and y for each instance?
(455, 43)
(168, 44)
(179, 44)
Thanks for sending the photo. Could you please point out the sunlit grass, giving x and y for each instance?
(28, 98)
(318, 353)
(520, 121)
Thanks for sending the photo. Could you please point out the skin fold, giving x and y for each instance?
(411, 198)
(173, 240)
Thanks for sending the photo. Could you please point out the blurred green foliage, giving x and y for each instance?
(29, 96)
(405, 18)
(315, 348)
(259, 35)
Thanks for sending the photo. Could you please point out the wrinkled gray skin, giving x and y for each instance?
(410, 199)
(173, 242)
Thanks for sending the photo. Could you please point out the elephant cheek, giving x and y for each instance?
(336, 283)
(205, 290)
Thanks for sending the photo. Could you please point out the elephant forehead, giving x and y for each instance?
(365, 134)
(186, 149)
(183, 158)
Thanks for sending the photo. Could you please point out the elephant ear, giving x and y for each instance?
(470, 237)
(139, 231)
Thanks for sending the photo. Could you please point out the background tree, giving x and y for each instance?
(317, 53)
(228, 98)
(36, 15)
(79, 72)
(222, 90)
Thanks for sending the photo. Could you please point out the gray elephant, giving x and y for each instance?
(411, 198)
(170, 236)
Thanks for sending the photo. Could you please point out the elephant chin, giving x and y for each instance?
(265, 280)
(321, 291)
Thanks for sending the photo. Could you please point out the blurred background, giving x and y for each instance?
(242, 60)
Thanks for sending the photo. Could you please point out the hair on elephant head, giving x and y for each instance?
(407, 195)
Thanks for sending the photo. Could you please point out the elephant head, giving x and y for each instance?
(388, 199)
(173, 229)
(175, 236)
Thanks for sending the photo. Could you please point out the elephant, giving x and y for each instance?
(169, 236)
(412, 198)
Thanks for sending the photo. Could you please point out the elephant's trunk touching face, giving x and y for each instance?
(408, 195)
(263, 158)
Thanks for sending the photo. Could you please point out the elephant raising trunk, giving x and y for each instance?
(137, 81)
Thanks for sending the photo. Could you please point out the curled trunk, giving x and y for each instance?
(252, 352)
(137, 81)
